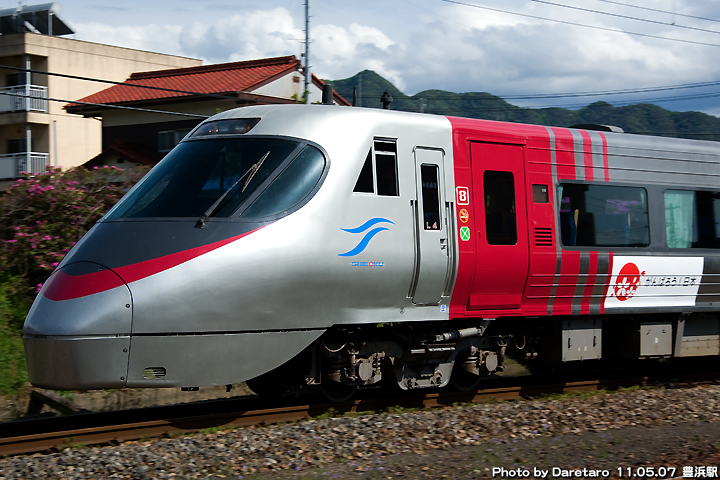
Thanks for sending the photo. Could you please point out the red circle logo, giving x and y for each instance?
(627, 282)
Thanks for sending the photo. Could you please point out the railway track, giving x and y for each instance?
(56, 433)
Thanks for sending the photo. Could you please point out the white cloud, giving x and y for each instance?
(338, 52)
(153, 37)
(257, 34)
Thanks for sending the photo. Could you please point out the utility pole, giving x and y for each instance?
(306, 88)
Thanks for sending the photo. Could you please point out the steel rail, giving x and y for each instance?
(56, 433)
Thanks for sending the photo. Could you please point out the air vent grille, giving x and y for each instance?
(154, 372)
(543, 237)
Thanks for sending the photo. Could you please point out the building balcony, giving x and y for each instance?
(24, 98)
(12, 165)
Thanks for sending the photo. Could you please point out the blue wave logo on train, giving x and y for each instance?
(370, 229)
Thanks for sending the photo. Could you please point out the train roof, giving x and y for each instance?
(523, 133)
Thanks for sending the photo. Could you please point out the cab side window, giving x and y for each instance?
(379, 172)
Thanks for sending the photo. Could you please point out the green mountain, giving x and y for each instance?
(640, 118)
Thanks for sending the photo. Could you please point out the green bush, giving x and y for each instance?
(43, 216)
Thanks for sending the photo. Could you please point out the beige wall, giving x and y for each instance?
(78, 139)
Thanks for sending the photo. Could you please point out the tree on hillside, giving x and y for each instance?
(642, 118)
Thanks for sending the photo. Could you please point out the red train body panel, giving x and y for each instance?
(519, 279)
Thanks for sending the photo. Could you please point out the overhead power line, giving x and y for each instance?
(638, 100)
(457, 96)
(627, 17)
(595, 27)
(453, 97)
(461, 98)
(459, 111)
(230, 97)
(622, 91)
(660, 11)
(464, 96)
(108, 105)
(111, 82)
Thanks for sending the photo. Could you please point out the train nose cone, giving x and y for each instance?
(77, 333)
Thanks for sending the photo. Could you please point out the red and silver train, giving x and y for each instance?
(330, 247)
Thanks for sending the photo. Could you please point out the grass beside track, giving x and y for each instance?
(13, 369)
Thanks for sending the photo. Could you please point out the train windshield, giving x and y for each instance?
(212, 177)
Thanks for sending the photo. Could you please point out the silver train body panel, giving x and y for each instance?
(250, 305)
(636, 159)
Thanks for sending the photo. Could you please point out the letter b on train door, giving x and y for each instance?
(431, 228)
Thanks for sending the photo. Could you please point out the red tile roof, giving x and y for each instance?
(222, 78)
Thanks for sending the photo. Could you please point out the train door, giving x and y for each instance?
(431, 228)
(501, 243)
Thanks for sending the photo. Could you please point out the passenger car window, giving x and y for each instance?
(603, 216)
(692, 219)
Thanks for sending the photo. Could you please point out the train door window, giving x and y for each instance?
(603, 216)
(500, 221)
(692, 219)
(379, 172)
(365, 182)
(430, 196)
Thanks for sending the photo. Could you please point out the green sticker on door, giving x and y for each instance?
(464, 234)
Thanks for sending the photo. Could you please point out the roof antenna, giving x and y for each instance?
(386, 100)
(327, 96)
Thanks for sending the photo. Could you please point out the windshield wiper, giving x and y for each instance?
(254, 170)
(201, 221)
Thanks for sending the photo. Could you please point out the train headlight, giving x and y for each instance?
(225, 127)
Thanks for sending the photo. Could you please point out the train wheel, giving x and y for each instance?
(335, 392)
(464, 381)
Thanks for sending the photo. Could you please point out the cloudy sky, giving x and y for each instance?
(510, 48)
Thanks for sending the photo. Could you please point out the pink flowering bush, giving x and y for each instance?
(43, 216)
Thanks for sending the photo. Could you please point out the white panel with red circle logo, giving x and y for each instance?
(654, 281)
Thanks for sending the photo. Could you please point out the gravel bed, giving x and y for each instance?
(369, 445)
